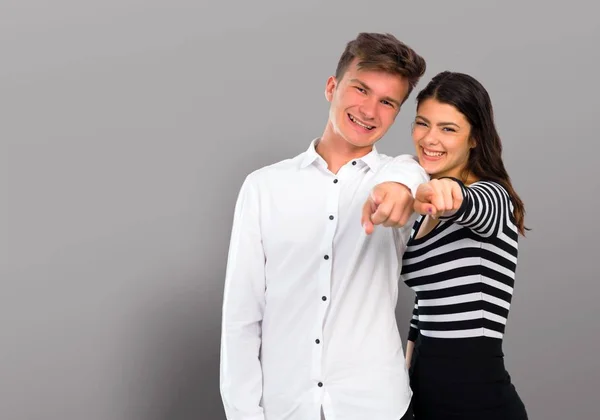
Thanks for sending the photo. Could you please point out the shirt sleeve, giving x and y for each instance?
(404, 169)
(242, 312)
(413, 331)
(487, 210)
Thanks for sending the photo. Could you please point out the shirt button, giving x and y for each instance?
(326, 257)
(324, 298)
(331, 217)
(354, 162)
(335, 181)
(320, 384)
(317, 341)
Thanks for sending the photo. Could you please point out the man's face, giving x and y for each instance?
(364, 104)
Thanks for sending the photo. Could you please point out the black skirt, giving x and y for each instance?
(462, 379)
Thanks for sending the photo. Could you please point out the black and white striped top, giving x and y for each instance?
(463, 271)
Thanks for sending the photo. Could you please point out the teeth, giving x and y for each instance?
(368, 127)
(432, 154)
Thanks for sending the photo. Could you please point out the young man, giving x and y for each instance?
(309, 327)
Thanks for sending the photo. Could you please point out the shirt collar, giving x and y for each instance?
(310, 155)
(371, 159)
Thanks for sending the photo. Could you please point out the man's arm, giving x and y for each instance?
(391, 200)
(405, 170)
(243, 306)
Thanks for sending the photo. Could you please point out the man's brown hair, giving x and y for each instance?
(382, 52)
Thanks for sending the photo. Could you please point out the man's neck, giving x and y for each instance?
(337, 152)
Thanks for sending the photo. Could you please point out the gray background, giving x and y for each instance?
(128, 126)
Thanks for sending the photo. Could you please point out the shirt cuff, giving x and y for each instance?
(413, 333)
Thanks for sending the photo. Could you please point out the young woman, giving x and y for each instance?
(461, 258)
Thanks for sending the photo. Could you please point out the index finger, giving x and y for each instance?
(383, 212)
(368, 209)
(424, 208)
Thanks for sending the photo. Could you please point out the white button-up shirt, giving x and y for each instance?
(309, 300)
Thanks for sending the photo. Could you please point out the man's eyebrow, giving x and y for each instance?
(367, 88)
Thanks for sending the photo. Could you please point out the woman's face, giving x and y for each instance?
(442, 137)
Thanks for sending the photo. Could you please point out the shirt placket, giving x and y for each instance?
(325, 278)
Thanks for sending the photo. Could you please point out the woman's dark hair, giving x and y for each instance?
(472, 100)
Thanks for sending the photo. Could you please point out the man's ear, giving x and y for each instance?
(330, 88)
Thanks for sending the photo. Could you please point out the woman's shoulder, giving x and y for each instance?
(489, 184)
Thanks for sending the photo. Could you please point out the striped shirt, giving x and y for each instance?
(463, 270)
